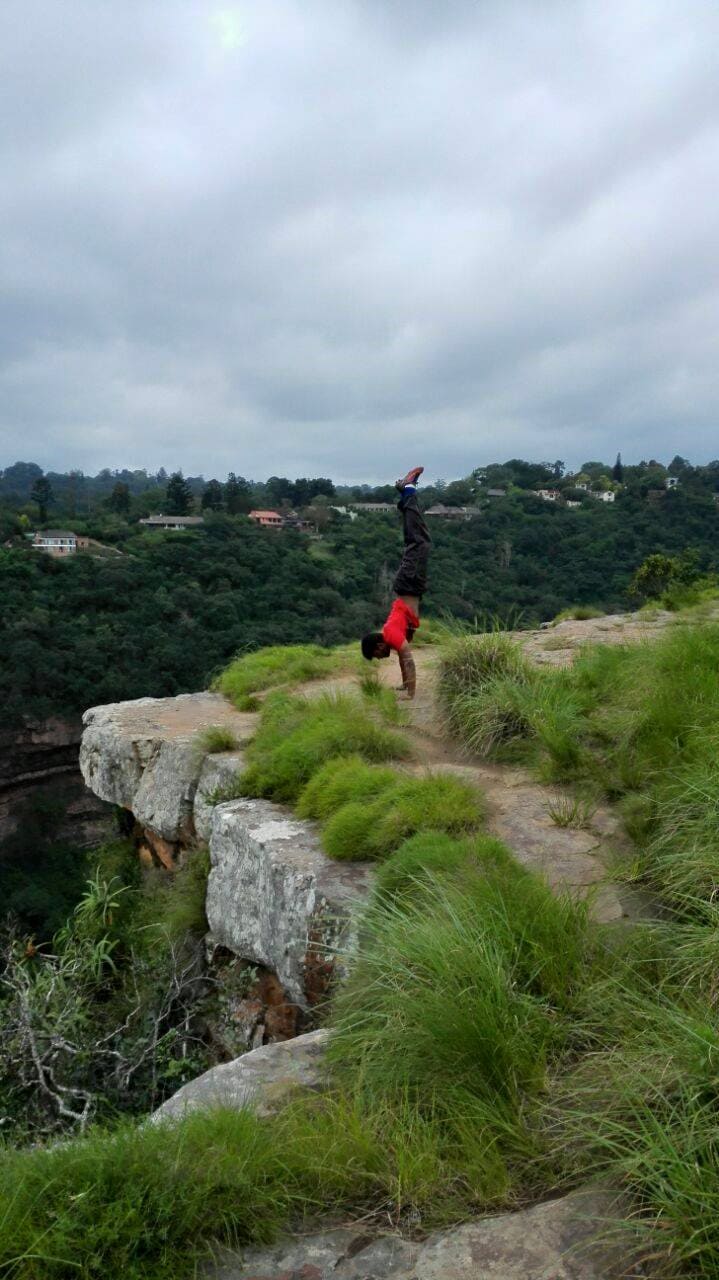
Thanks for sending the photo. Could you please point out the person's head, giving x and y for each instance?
(374, 646)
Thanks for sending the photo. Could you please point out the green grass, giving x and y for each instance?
(297, 736)
(431, 854)
(577, 612)
(342, 780)
(374, 829)
(274, 666)
(216, 738)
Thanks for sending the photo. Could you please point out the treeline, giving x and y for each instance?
(174, 607)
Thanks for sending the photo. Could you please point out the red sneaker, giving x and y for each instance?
(411, 477)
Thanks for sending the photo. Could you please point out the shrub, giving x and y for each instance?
(433, 855)
(216, 738)
(470, 663)
(340, 781)
(438, 803)
(578, 613)
(458, 992)
(275, 665)
(298, 735)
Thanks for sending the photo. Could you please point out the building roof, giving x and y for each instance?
(372, 506)
(181, 520)
(495, 493)
(275, 515)
(55, 533)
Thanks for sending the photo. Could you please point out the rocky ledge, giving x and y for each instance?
(273, 898)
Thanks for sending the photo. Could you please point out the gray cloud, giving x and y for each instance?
(335, 237)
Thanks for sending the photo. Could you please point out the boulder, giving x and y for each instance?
(145, 756)
(566, 1239)
(274, 898)
(262, 1079)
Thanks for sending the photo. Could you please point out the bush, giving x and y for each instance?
(216, 738)
(298, 735)
(340, 781)
(458, 995)
(470, 663)
(275, 665)
(432, 855)
(578, 613)
(437, 803)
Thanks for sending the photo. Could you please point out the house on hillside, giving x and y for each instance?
(267, 519)
(603, 495)
(451, 513)
(372, 508)
(173, 522)
(547, 495)
(495, 493)
(59, 542)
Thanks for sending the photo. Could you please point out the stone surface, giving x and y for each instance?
(218, 772)
(262, 1079)
(145, 755)
(567, 1239)
(274, 898)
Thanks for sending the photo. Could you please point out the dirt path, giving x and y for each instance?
(520, 808)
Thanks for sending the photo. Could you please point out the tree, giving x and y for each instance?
(212, 496)
(618, 470)
(178, 497)
(119, 500)
(238, 495)
(42, 494)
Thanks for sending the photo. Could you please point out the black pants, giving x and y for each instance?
(411, 578)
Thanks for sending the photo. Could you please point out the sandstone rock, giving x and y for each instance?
(565, 1239)
(262, 1079)
(217, 772)
(274, 898)
(144, 755)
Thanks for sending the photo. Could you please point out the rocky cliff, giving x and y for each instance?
(273, 898)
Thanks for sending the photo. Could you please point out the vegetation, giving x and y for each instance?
(217, 738)
(104, 1018)
(298, 735)
(272, 666)
(172, 610)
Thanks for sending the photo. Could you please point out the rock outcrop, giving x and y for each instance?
(145, 756)
(273, 898)
(567, 1239)
(262, 1079)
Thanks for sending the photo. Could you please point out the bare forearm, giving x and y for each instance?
(409, 674)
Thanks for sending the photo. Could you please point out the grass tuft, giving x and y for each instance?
(297, 736)
(216, 738)
(441, 803)
(276, 665)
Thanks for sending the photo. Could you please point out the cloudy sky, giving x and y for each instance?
(337, 237)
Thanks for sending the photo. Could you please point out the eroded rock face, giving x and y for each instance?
(145, 756)
(565, 1239)
(262, 1079)
(274, 898)
(40, 755)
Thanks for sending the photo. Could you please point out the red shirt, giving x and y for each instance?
(399, 621)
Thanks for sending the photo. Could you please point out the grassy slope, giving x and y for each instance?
(491, 1044)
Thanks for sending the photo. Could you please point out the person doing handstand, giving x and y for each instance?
(409, 586)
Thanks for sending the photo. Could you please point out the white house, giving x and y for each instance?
(671, 482)
(173, 522)
(59, 542)
(603, 495)
(547, 495)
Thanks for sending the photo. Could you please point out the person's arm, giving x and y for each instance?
(407, 667)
